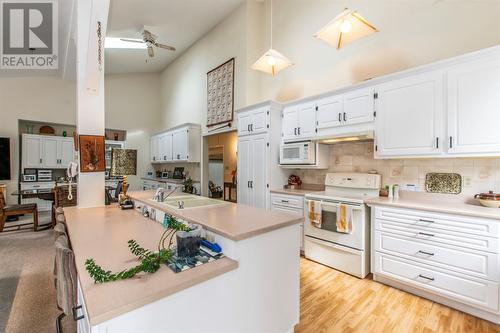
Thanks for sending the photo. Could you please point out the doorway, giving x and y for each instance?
(222, 164)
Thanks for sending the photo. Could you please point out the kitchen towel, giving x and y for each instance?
(314, 213)
(344, 219)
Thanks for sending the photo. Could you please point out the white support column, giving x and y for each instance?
(90, 90)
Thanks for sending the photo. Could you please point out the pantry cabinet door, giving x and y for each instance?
(245, 166)
(32, 151)
(306, 114)
(410, 116)
(66, 152)
(260, 120)
(258, 185)
(329, 112)
(473, 95)
(358, 107)
(244, 121)
(290, 122)
(50, 153)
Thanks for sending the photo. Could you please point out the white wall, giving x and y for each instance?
(133, 104)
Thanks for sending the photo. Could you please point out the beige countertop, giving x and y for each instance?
(305, 189)
(233, 221)
(440, 203)
(102, 234)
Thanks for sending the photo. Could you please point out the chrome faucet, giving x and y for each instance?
(180, 203)
(160, 195)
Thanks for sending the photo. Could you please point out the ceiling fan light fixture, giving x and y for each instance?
(271, 62)
(345, 28)
(118, 43)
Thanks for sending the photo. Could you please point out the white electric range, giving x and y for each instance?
(324, 243)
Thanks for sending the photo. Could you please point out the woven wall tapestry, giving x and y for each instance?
(220, 94)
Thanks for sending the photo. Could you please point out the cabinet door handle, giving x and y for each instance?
(154, 158)
(425, 234)
(248, 184)
(437, 142)
(426, 277)
(426, 253)
(40, 161)
(424, 220)
(251, 183)
(295, 131)
(75, 313)
(345, 116)
(298, 130)
(340, 117)
(451, 142)
(251, 127)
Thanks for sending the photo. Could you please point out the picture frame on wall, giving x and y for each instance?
(92, 153)
(220, 94)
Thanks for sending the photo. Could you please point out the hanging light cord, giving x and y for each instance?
(271, 24)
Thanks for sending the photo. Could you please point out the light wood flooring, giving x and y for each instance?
(332, 301)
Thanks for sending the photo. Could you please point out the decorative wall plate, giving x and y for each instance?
(450, 183)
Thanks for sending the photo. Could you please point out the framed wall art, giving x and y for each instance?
(92, 153)
(220, 94)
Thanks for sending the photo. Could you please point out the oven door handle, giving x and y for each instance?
(333, 245)
(334, 204)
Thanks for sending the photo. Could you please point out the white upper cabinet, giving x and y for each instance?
(410, 116)
(165, 147)
(329, 112)
(299, 122)
(32, 151)
(254, 121)
(49, 152)
(473, 95)
(181, 144)
(358, 107)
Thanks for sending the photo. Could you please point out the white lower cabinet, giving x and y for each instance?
(451, 259)
(83, 324)
(292, 204)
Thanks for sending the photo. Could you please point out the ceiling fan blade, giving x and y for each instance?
(163, 46)
(151, 52)
(131, 40)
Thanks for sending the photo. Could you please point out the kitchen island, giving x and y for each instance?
(254, 288)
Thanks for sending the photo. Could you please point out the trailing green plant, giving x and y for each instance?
(150, 261)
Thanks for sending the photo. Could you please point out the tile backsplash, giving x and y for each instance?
(478, 174)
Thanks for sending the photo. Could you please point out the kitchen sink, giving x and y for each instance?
(191, 201)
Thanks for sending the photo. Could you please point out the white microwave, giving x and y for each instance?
(298, 153)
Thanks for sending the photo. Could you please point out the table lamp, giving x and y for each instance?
(124, 163)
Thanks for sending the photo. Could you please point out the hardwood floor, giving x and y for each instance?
(332, 301)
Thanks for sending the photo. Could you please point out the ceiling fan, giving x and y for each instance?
(150, 40)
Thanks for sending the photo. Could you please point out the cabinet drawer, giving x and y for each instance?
(474, 291)
(438, 236)
(453, 224)
(289, 210)
(285, 200)
(477, 263)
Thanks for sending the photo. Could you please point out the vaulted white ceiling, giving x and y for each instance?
(179, 23)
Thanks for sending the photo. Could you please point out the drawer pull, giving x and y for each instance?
(425, 234)
(427, 221)
(285, 201)
(75, 315)
(426, 253)
(425, 277)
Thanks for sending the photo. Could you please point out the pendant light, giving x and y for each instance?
(271, 61)
(345, 28)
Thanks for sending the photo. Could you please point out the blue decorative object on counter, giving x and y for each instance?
(212, 246)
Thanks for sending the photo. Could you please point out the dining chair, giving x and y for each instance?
(14, 210)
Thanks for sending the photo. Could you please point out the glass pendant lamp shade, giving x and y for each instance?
(345, 28)
(271, 62)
